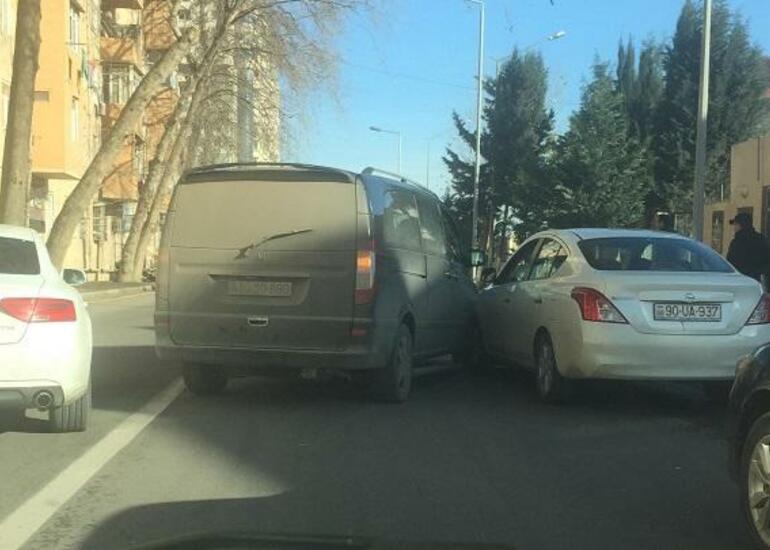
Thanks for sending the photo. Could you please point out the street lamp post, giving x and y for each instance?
(479, 109)
(703, 108)
(392, 132)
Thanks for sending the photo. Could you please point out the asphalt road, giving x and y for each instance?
(465, 460)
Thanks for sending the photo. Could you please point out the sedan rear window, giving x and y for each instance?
(18, 257)
(652, 254)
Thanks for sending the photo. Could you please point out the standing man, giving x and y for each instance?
(748, 250)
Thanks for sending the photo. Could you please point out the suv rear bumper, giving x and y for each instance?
(351, 359)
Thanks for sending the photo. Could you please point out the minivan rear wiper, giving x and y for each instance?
(242, 252)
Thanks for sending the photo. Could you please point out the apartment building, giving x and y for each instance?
(93, 54)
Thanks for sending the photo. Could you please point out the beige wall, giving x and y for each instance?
(7, 33)
(749, 175)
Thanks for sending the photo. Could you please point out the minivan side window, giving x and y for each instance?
(454, 249)
(431, 227)
(518, 267)
(400, 221)
(549, 259)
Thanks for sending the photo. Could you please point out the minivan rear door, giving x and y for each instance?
(264, 259)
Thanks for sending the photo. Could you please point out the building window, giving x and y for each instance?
(717, 230)
(74, 21)
(6, 18)
(74, 119)
(118, 82)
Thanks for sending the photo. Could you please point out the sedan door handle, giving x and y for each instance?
(450, 275)
(538, 299)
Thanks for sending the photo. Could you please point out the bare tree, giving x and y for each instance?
(290, 37)
(14, 185)
(80, 199)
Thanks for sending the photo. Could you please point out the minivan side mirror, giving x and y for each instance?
(74, 277)
(488, 275)
(478, 258)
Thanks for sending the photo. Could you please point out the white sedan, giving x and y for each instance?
(622, 304)
(45, 335)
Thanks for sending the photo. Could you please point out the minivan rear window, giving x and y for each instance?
(651, 254)
(18, 257)
(268, 215)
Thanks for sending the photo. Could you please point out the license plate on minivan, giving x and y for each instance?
(673, 311)
(258, 288)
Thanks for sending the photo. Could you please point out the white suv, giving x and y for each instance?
(45, 335)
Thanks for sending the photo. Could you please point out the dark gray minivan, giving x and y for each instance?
(265, 268)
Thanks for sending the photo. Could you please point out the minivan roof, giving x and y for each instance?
(288, 171)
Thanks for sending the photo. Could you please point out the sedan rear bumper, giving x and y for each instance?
(23, 396)
(621, 352)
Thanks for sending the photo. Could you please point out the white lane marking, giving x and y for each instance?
(24, 522)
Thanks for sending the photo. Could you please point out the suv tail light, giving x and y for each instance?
(39, 310)
(596, 307)
(761, 314)
(365, 268)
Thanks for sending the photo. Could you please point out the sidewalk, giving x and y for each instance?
(91, 291)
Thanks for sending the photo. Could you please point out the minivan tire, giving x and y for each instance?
(204, 379)
(392, 383)
(550, 384)
(72, 417)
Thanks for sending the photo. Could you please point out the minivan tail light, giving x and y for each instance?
(365, 268)
(761, 313)
(596, 307)
(39, 310)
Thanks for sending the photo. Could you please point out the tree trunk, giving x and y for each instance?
(503, 251)
(148, 191)
(14, 185)
(172, 172)
(67, 221)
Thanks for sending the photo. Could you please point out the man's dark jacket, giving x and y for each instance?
(749, 253)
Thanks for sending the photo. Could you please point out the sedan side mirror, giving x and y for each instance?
(74, 277)
(488, 275)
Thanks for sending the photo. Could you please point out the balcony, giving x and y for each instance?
(125, 4)
(116, 49)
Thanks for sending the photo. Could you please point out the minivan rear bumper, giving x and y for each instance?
(351, 359)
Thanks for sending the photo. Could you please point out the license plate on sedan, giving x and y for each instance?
(259, 288)
(673, 311)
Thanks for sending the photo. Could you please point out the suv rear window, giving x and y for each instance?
(18, 257)
(651, 254)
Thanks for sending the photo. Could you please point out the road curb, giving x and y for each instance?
(117, 292)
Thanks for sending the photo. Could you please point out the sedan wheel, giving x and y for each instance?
(550, 384)
(755, 474)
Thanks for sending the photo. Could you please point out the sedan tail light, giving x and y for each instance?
(761, 314)
(365, 270)
(39, 310)
(596, 307)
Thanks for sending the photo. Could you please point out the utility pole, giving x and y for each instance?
(479, 112)
(699, 194)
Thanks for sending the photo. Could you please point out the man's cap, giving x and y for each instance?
(742, 218)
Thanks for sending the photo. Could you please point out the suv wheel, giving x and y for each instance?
(72, 417)
(549, 381)
(204, 379)
(755, 481)
(392, 383)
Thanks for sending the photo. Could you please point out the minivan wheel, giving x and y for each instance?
(755, 481)
(393, 382)
(549, 381)
(204, 379)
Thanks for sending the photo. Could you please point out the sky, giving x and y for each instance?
(412, 63)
